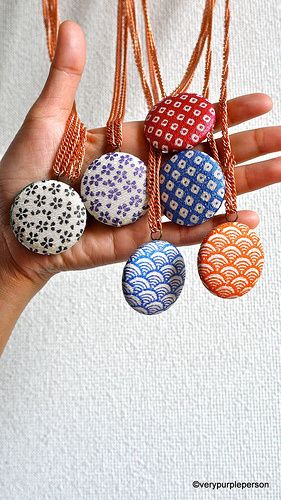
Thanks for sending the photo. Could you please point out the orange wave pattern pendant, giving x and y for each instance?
(230, 260)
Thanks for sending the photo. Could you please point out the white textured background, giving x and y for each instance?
(96, 401)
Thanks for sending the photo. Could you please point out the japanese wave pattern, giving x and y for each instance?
(230, 260)
(153, 277)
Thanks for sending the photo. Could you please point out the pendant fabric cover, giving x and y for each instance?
(48, 217)
(113, 189)
(192, 187)
(153, 277)
(230, 260)
(179, 122)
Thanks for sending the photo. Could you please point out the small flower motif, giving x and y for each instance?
(31, 189)
(114, 194)
(87, 190)
(28, 224)
(139, 170)
(19, 231)
(104, 217)
(124, 159)
(130, 185)
(40, 200)
(123, 209)
(48, 242)
(79, 212)
(57, 203)
(111, 156)
(69, 206)
(107, 169)
(95, 205)
(116, 221)
(55, 188)
(109, 183)
(22, 213)
(135, 200)
(120, 176)
(66, 237)
(64, 218)
(32, 238)
(47, 213)
(42, 226)
(35, 212)
(95, 179)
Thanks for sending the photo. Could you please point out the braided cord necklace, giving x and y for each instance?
(154, 275)
(231, 257)
(113, 187)
(48, 216)
(71, 152)
(254, 261)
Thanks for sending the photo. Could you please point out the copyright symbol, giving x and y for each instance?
(195, 484)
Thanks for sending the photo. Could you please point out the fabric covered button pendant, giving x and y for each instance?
(114, 189)
(153, 277)
(192, 187)
(230, 260)
(48, 217)
(179, 122)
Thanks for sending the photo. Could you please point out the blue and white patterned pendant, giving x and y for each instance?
(192, 187)
(113, 189)
(153, 277)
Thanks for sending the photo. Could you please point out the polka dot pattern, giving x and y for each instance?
(179, 122)
(192, 187)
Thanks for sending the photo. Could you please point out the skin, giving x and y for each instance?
(30, 156)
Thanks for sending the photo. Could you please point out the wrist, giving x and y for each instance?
(16, 291)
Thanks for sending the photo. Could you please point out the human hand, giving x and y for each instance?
(30, 157)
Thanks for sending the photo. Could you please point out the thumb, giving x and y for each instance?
(58, 94)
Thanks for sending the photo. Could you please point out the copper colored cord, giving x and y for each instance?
(154, 91)
(206, 27)
(157, 88)
(71, 152)
(228, 160)
(114, 124)
(154, 68)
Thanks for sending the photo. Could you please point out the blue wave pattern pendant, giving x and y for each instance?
(153, 277)
(192, 187)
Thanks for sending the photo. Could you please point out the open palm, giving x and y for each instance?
(30, 157)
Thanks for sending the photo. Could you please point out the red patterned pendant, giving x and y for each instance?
(179, 122)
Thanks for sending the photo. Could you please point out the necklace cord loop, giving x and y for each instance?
(157, 91)
(71, 152)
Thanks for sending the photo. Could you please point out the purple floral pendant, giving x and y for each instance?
(113, 189)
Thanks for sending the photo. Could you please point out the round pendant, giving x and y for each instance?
(192, 187)
(230, 260)
(48, 217)
(153, 277)
(179, 122)
(113, 189)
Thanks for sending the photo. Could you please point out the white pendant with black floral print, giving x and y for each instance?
(48, 217)
(113, 189)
